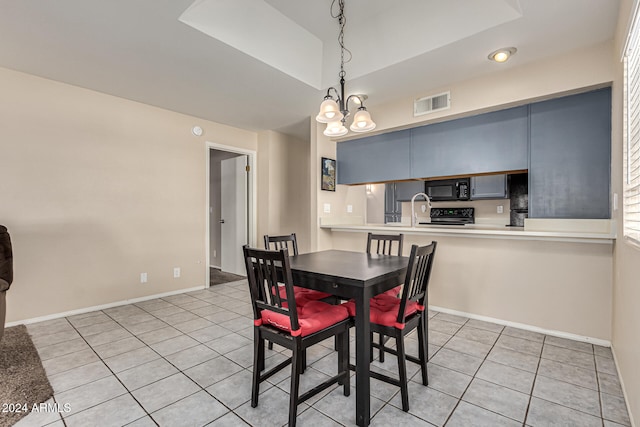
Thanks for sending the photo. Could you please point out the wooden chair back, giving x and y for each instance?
(282, 242)
(416, 282)
(267, 272)
(384, 243)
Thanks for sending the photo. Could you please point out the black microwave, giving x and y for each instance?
(448, 189)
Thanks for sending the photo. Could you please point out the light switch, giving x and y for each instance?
(349, 208)
(327, 208)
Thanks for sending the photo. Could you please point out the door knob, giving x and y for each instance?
(222, 221)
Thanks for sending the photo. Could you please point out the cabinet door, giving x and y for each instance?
(374, 159)
(570, 171)
(390, 198)
(491, 142)
(488, 187)
(406, 190)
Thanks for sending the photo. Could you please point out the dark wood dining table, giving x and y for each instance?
(359, 276)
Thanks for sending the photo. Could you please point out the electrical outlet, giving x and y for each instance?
(500, 209)
(327, 208)
(143, 277)
(349, 208)
(215, 253)
(176, 272)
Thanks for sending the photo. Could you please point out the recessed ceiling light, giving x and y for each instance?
(501, 55)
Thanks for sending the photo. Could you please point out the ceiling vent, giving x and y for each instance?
(430, 104)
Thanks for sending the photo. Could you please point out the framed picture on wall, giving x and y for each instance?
(328, 178)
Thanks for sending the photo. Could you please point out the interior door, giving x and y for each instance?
(234, 221)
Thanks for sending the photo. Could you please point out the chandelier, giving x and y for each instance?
(334, 111)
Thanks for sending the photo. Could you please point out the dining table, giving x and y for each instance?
(358, 276)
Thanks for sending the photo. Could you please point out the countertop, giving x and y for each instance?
(480, 231)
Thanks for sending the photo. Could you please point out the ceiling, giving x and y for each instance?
(266, 64)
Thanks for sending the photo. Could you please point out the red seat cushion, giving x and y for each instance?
(312, 317)
(304, 295)
(384, 310)
(310, 294)
(390, 293)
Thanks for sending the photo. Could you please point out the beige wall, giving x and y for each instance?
(96, 190)
(557, 286)
(283, 175)
(626, 287)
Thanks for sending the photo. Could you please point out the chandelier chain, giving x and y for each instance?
(342, 20)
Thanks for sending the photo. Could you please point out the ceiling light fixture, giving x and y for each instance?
(334, 111)
(501, 55)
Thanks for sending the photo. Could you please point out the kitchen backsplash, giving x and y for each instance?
(486, 211)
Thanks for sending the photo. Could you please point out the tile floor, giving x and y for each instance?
(185, 360)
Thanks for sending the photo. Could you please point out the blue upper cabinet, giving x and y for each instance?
(491, 142)
(374, 159)
(570, 170)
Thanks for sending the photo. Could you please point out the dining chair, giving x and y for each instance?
(384, 244)
(283, 242)
(303, 295)
(279, 319)
(396, 317)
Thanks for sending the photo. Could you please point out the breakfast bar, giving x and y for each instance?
(552, 281)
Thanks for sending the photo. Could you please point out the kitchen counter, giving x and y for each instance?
(487, 231)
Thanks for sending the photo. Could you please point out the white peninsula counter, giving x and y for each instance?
(598, 235)
(551, 276)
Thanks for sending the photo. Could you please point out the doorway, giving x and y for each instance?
(231, 220)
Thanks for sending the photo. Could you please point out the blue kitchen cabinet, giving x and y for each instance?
(570, 158)
(489, 187)
(407, 189)
(377, 158)
(490, 142)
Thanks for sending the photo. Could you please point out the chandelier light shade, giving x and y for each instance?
(335, 129)
(362, 121)
(329, 111)
(334, 111)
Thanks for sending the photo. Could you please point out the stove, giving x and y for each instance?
(451, 216)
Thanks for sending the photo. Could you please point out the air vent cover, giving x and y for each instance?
(430, 104)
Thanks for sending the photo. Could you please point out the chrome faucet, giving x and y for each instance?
(414, 215)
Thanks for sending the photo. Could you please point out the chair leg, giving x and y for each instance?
(402, 371)
(343, 361)
(381, 347)
(296, 366)
(258, 365)
(261, 355)
(423, 350)
(371, 350)
(303, 364)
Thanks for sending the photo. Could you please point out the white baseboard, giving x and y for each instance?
(624, 390)
(559, 334)
(101, 307)
(217, 267)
